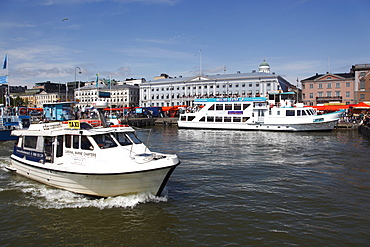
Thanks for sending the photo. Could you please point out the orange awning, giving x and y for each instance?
(330, 107)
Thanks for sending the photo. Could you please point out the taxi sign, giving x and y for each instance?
(74, 124)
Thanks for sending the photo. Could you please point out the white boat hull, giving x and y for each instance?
(102, 185)
(320, 126)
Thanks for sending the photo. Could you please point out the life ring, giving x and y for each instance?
(23, 111)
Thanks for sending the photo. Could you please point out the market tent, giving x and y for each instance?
(361, 105)
(330, 107)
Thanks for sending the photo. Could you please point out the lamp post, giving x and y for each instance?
(79, 84)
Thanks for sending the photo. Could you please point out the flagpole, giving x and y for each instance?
(110, 94)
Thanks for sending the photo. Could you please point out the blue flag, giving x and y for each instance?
(5, 61)
(3, 79)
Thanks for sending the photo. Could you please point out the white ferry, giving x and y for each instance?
(277, 113)
(100, 161)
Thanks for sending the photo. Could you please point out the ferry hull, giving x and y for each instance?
(102, 185)
(321, 126)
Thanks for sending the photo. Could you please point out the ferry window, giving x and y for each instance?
(228, 107)
(190, 118)
(237, 107)
(104, 141)
(48, 145)
(76, 141)
(68, 141)
(59, 146)
(183, 118)
(85, 143)
(122, 139)
(219, 107)
(245, 119)
(290, 113)
(227, 119)
(30, 141)
(237, 119)
(218, 119)
(212, 108)
(133, 137)
(245, 106)
(298, 112)
(210, 119)
(304, 113)
(203, 119)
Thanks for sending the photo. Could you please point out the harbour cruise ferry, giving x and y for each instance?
(278, 112)
(100, 161)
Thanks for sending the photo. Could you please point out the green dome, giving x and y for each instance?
(264, 63)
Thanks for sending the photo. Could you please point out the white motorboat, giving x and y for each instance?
(100, 161)
(278, 112)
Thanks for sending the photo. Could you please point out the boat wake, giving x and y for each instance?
(45, 197)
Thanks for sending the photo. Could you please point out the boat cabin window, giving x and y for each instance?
(290, 113)
(212, 107)
(218, 119)
(190, 118)
(203, 119)
(245, 106)
(304, 113)
(30, 142)
(59, 146)
(134, 137)
(227, 119)
(219, 107)
(210, 119)
(228, 107)
(183, 118)
(86, 144)
(237, 119)
(104, 141)
(68, 141)
(76, 141)
(237, 107)
(245, 119)
(122, 138)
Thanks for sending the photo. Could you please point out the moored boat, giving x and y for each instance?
(11, 119)
(101, 161)
(278, 112)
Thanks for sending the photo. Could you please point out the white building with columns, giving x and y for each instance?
(167, 91)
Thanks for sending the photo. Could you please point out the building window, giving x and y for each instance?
(337, 93)
(348, 94)
(348, 84)
(362, 96)
(329, 85)
(311, 95)
(337, 85)
(320, 94)
(328, 94)
(311, 86)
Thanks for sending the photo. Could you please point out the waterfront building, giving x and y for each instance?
(328, 88)
(169, 91)
(362, 82)
(122, 95)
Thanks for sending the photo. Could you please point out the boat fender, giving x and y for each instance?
(118, 125)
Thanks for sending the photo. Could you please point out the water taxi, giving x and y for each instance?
(99, 161)
(278, 112)
(10, 119)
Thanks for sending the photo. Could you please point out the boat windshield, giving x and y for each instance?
(133, 137)
(122, 138)
(104, 141)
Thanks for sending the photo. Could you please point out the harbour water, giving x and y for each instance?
(233, 188)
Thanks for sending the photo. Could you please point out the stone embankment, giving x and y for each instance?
(365, 130)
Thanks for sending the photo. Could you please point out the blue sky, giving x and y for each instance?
(144, 38)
